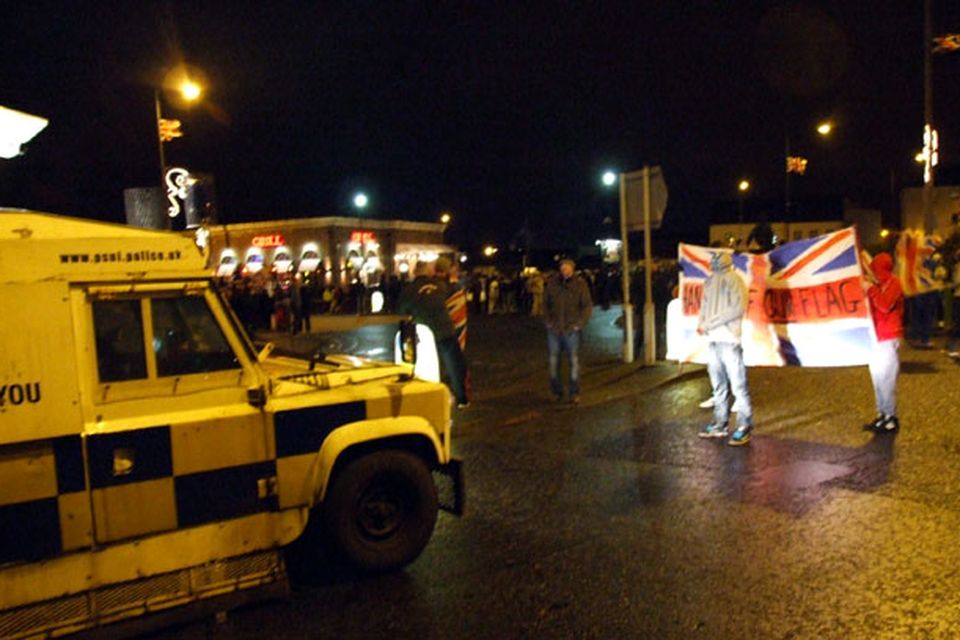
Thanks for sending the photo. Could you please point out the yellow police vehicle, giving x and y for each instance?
(151, 457)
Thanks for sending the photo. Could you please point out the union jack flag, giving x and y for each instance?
(945, 43)
(806, 303)
(917, 266)
(796, 164)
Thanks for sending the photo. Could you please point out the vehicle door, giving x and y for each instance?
(172, 440)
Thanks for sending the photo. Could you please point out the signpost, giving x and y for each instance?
(643, 201)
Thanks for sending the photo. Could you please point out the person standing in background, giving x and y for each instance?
(567, 309)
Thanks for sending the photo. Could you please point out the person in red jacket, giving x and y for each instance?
(886, 308)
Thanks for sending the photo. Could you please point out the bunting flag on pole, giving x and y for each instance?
(917, 265)
(796, 164)
(806, 305)
(946, 43)
(169, 129)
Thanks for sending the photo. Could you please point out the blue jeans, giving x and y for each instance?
(884, 367)
(455, 365)
(728, 373)
(570, 343)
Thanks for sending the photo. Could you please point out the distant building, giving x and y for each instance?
(946, 204)
(814, 222)
(337, 248)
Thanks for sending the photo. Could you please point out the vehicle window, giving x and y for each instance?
(187, 339)
(118, 326)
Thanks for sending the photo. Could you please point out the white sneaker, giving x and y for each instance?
(707, 404)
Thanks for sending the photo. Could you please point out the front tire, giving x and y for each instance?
(380, 511)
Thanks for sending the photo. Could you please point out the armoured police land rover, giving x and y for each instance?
(151, 457)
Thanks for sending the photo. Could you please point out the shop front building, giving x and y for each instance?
(333, 250)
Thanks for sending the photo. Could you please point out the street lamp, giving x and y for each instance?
(742, 187)
(189, 90)
(16, 129)
(609, 178)
(798, 164)
(445, 217)
(360, 200)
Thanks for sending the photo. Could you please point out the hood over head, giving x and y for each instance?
(882, 266)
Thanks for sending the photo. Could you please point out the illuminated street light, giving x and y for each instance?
(360, 200)
(798, 164)
(884, 233)
(742, 187)
(17, 128)
(190, 90)
(183, 82)
(445, 217)
(490, 251)
(609, 178)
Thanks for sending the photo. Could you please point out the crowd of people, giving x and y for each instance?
(285, 302)
(439, 296)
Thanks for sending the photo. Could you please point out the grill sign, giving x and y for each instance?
(272, 240)
(362, 237)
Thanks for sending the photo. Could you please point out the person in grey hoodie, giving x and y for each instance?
(722, 309)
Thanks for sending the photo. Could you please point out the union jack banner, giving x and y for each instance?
(916, 265)
(169, 129)
(806, 304)
(796, 164)
(945, 43)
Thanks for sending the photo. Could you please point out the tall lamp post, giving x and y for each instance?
(742, 187)
(798, 164)
(189, 91)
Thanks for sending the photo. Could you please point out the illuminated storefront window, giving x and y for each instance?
(309, 258)
(228, 263)
(282, 260)
(254, 260)
(363, 254)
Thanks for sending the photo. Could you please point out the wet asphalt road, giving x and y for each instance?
(612, 519)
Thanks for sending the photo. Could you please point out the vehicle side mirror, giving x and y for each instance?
(265, 352)
(408, 341)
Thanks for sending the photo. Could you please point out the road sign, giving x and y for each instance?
(633, 183)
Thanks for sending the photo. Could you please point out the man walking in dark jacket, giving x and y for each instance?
(567, 308)
(426, 300)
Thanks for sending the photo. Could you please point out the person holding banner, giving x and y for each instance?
(886, 308)
(722, 309)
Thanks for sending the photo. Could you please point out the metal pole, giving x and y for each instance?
(625, 278)
(163, 160)
(786, 171)
(929, 220)
(649, 320)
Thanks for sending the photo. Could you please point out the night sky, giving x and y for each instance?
(497, 111)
